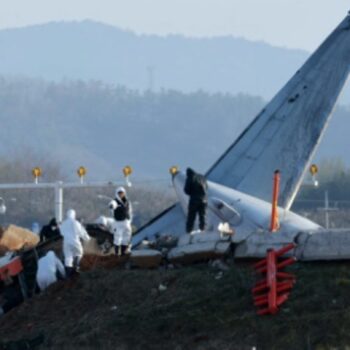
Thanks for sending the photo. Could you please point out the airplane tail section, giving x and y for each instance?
(287, 131)
(283, 136)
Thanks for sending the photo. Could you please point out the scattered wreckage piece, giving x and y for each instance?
(10, 266)
(199, 247)
(325, 245)
(259, 242)
(187, 249)
(14, 238)
(311, 246)
(99, 253)
(18, 271)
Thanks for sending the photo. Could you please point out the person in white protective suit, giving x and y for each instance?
(50, 268)
(122, 212)
(73, 233)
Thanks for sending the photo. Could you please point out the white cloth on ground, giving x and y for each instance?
(48, 266)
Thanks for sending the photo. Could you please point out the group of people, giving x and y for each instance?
(73, 232)
(50, 268)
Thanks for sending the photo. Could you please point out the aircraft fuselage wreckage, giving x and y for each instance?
(283, 136)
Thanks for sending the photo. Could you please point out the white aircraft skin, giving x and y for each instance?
(243, 212)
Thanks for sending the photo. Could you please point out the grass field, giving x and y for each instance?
(124, 309)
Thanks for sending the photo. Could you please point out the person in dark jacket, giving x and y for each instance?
(196, 188)
(49, 231)
(122, 212)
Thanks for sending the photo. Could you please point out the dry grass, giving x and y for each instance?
(195, 312)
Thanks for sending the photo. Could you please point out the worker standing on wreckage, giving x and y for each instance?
(49, 231)
(196, 188)
(73, 233)
(122, 213)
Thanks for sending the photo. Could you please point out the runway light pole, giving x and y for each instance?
(59, 186)
(174, 170)
(313, 171)
(36, 172)
(127, 171)
(81, 173)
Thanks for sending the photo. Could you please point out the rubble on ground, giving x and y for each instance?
(166, 249)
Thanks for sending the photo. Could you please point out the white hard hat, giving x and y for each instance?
(71, 214)
(118, 190)
(50, 254)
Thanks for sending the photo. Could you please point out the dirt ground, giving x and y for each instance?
(117, 308)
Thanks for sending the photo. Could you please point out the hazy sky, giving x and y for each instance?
(289, 23)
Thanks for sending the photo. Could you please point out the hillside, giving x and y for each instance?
(123, 309)
(105, 128)
(95, 51)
